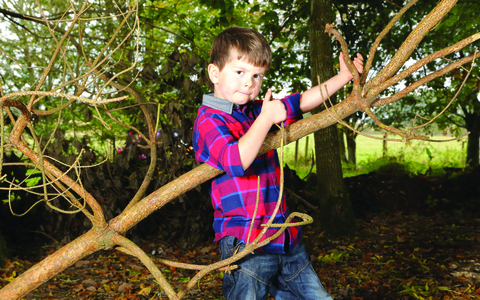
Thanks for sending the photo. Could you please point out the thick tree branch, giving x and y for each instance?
(410, 43)
(422, 62)
(422, 81)
(382, 34)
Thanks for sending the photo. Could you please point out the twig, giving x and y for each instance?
(41, 232)
(54, 56)
(456, 94)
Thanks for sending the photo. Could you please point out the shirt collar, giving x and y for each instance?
(219, 103)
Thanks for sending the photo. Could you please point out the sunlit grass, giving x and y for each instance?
(413, 155)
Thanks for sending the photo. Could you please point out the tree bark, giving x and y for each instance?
(336, 213)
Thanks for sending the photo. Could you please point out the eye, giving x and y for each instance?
(257, 76)
(239, 72)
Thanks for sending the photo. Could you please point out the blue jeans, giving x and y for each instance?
(283, 276)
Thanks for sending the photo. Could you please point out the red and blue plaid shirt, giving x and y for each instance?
(218, 127)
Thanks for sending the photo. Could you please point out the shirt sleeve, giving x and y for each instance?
(292, 105)
(215, 145)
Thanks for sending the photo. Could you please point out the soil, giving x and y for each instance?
(418, 238)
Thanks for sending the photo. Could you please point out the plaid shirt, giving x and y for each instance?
(219, 125)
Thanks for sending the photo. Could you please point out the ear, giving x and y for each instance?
(213, 72)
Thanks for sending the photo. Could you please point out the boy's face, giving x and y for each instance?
(238, 82)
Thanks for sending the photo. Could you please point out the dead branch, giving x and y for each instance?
(422, 81)
(453, 98)
(131, 248)
(422, 62)
(410, 43)
(380, 37)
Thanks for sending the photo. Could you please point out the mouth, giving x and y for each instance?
(246, 94)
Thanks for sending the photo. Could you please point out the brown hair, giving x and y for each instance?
(248, 42)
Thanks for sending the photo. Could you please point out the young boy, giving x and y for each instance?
(228, 133)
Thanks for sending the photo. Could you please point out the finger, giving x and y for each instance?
(268, 95)
(360, 56)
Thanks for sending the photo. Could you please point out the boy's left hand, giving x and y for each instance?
(357, 62)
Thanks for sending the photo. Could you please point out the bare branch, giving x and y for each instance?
(454, 97)
(329, 28)
(134, 250)
(380, 37)
(422, 81)
(422, 62)
(411, 42)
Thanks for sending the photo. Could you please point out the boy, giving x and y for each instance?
(228, 133)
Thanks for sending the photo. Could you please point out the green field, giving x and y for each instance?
(416, 156)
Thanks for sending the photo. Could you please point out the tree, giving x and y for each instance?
(423, 102)
(357, 20)
(105, 235)
(336, 215)
(464, 86)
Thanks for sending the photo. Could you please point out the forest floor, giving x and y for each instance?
(424, 250)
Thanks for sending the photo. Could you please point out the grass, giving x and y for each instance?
(416, 156)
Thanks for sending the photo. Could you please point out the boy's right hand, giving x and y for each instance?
(273, 110)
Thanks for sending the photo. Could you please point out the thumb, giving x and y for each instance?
(268, 95)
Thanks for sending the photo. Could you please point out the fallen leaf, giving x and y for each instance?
(89, 282)
(91, 289)
(125, 288)
(77, 288)
(9, 264)
(145, 291)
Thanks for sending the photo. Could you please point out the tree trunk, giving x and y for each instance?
(473, 125)
(336, 217)
(351, 146)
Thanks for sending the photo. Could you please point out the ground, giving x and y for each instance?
(418, 238)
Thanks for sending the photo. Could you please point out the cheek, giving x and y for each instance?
(255, 93)
(257, 88)
(230, 83)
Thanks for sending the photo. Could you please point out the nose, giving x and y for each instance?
(248, 82)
